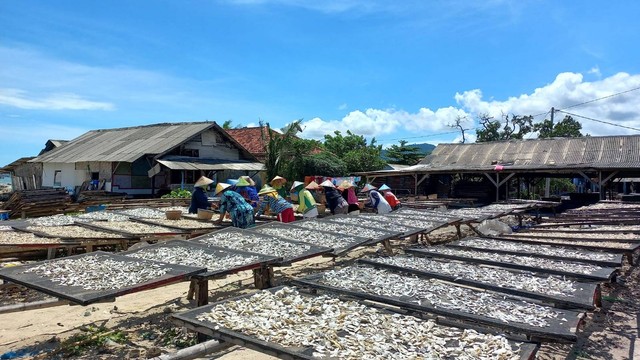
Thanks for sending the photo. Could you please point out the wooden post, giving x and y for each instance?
(51, 253)
(387, 246)
(263, 277)
(202, 290)
(458, 230)
(192, 289)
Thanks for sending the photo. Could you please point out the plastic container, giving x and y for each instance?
(95, 208)
(205, 214)
(173, 214)
(4, 215)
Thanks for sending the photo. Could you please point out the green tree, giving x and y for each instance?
(324, 164)
(355, 151)
(227, 124)
(279, 148)
(567, 127)
(512, 127)
(404, 154)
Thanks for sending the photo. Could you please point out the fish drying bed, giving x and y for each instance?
(92, 277)
(218, 261)
(340, 243)
(550, 289)
(428, 215)
(285, 323)
(375, 221)
(190, 225)
(530, 263)
(238, 239)
(452, 301)
(133, 228)
(24, 239)
(631, 238)
(74, 233)
(609, 246)
(546, 251)
(374, 235)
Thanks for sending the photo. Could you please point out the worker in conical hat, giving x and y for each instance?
(349, 194)
(248, 191)
(306, 203)
(199, 198)
(279, 183)
(337, 205)
(376, 200)
(240, 211)
(390, 197)
(278, 205)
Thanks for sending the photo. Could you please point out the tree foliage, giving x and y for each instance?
(355, 151)
(279, 148)
(512, 127)
(404, 154)
(324, 164)
(568, 127)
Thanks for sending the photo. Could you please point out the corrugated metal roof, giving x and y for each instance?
(124, 144)
(591, 152)
(211, 165)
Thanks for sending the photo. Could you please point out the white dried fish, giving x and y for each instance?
(188, 223)
(370, 233)
(326, 239)
(594, 243)
(95, 272)
(253, 242)
(551, 285)
(490, 244)
(183, 255)
(144, 213)
(559, 265)
(350, 330)
(580, 235)
(19, 237)
(53, 220)
(580, 228)
(381, 222)
(6, 228)
(74, 231)
(102, 216)
(438, 294)
(133, 227)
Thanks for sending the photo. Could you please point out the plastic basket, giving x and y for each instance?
(173, 214)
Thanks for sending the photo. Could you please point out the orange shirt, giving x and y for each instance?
(391, 199)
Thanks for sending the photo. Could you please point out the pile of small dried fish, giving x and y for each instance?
(53, 220)
(559, 265)
(102, 216)
(608, 206)
(438, 294)
(490, 244)
(620, 228)
(594, 244)
(257, 243)
(74, 231)
(552, 285)
(186, 223)
(133, 227)
(581, 235)
(473, 213)
(182, 255)
(350, 330)
(413, 222)
(344, 229)
(95, 272)
(505, 207)
(8, 237)
(144, 213)
(373, 222)
(330, 240)
(6, 228)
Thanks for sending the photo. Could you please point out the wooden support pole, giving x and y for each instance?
(263, 277)
(202, 291)
(387, 246)
(192, 289)
(458, 231)
(51, 253)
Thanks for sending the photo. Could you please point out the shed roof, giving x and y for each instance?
(252, 139)
(130, 143)
(13, 165)
(536, 155)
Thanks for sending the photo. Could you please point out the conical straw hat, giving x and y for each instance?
(368, 187)
(242, 182)
(384, 187)
(296, 184)
(312, 186)
(328, 183)
(203, 181)
(278, 180)
(221, 187)
(266, 190)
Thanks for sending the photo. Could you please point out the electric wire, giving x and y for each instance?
(600, 121)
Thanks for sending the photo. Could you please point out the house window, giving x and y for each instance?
(57, 178)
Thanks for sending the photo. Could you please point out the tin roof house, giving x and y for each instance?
(140, 160)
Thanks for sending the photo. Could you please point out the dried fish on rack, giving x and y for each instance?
(550, 285)
(190, 256)
(9, 237)
(73, 231)
(330, 240)
(133, 227)
(6, 228)
(433, 216)
(558, 265)
(373, 222)
(438, 294)
(98, 273)
(144, 213)
(573, 242)
(343, 329)
(253, 242)
(53, 220)
(590, 228)
(102, 216)
(186, 223)
(413, 222)
(490, 244)
(580, 235)
(370, 233)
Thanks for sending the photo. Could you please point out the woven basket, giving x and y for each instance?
(205, 214)
(173, 214)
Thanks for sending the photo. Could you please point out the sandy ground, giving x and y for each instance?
(141, 321)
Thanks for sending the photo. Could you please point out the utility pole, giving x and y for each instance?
(553, 110)
(547, 182)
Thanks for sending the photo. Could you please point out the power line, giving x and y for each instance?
(601, 98)
(600, 121)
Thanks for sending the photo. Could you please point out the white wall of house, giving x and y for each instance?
(210, 144)
(69, 177)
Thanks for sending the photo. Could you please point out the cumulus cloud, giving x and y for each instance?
(568, 92)
(58, 101)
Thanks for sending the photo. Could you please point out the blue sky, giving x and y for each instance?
(389, 69)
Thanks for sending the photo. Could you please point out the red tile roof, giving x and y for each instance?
(251, 138)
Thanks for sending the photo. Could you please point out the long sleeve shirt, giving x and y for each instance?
(378, 202)
(306, 201)
(199, 200)
(276, 203)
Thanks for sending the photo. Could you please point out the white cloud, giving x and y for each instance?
(595, 71)
(566, 90)
(342, 107)
(57, 101)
